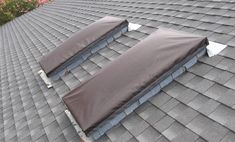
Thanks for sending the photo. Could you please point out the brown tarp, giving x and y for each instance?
(78, 41)
(110, 88)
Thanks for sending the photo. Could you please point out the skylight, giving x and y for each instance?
(119, 88)
(81, 45)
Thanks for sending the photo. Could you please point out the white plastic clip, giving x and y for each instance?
(214, 48)
(45, 78)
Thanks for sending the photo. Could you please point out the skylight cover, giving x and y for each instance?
(112, 87)
(80, 40)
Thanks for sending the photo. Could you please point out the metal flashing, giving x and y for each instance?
(45, 79)
(133, 26)
(214, 48)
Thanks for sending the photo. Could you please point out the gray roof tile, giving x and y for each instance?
(210, 18)
(200, 140)
(224, 29)
(160, 99)
(208, 107)
(183, 113)
(208, 26)
(226, 64)
(53, 131)
(216, 91)
(134, 124)
(178, 133)
(198, 102)
(228, 52)
(197, 106)
(225, 116)
(69, 133)
(150, 113)
(119, 133)
(169, 105)
(149, 135)
(162, 139)
(229, 137)
(180, 92)
(231, 83)
(221, 38)
(186, 136)
(164, 123)
(208, 129)
(185, 78)
(133, 140)
(228, 98)
(200, 69)
(231, 42)
(199, 84)
(218, 75)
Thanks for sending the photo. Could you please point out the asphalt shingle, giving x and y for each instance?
(198, 106)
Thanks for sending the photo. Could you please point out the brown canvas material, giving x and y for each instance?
(100, 96)
(78, 41)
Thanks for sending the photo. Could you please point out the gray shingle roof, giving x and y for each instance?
(198, 106)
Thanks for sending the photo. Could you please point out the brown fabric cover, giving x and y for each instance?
(110, 88)
(79, 41)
